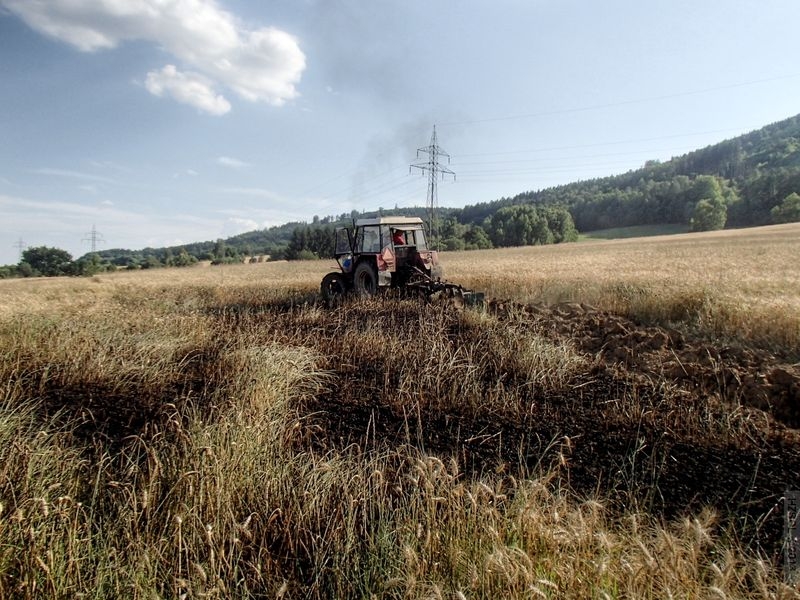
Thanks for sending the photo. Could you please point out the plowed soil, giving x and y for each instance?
(658, 421)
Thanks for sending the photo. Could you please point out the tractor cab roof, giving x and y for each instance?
(407, 222)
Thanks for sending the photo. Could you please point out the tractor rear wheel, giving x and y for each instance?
(333, 288)
(365, 279)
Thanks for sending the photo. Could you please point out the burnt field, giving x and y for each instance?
(222, 433)
(646, 416)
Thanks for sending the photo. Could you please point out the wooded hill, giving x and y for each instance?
(753, 174)
(750, 180)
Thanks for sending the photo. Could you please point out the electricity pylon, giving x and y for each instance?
(434, 169)
(20, 246)
(95, 237)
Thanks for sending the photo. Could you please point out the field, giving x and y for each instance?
(634, 231)
(620, 421)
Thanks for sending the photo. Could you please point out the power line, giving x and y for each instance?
(622, 102)
(433, 200)
(614, 143)
(434, 168)
(382, 188)
(353, 186)
(645, 153)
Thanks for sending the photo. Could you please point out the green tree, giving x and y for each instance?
(787, 211)
(476, 238)
(511, 225)
(219, 249)
(537, 229)
(183, 259)
(709, 214)
(151, 262)
(50, 262)
(452, 234)
(9, 271)
(705, 187)
(560, 223)
(91, 264)
(297, 244)
(523, 225)
(25, 270)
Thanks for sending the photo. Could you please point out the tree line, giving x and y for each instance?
(522, 225)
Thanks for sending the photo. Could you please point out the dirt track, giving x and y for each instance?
(659, 421)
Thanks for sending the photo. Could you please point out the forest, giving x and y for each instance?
(750, 180)
(746, 181)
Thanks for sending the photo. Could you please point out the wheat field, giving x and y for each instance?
(215, 432)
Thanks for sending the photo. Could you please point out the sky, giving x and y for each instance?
(163, 122)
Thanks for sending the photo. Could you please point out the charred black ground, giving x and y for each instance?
(657, 422)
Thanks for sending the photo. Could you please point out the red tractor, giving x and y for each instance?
(384, 253)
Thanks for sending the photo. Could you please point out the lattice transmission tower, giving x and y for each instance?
(94, 237)
(434, 168)
(20, 245)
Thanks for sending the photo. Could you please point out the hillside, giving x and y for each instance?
(753, 173)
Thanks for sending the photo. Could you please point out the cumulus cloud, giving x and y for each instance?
(213, 47)
(189, 88)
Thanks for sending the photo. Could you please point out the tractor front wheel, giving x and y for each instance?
(365, 279)
(333, 288)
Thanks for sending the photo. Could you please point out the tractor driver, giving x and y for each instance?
(398, 238)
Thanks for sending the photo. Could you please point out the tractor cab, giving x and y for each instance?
(379, 253)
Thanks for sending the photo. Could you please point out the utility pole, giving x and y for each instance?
(434, 168)
(95, 237)
(20, 245)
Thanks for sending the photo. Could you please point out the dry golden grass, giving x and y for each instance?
(743, 283)
(739, 283)
(160, 285)
(757, 265)
(151, 442)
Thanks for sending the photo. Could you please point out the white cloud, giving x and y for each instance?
(188, 88)
(234, 163)
(261, 64)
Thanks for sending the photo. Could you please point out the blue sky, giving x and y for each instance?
(162, 122)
